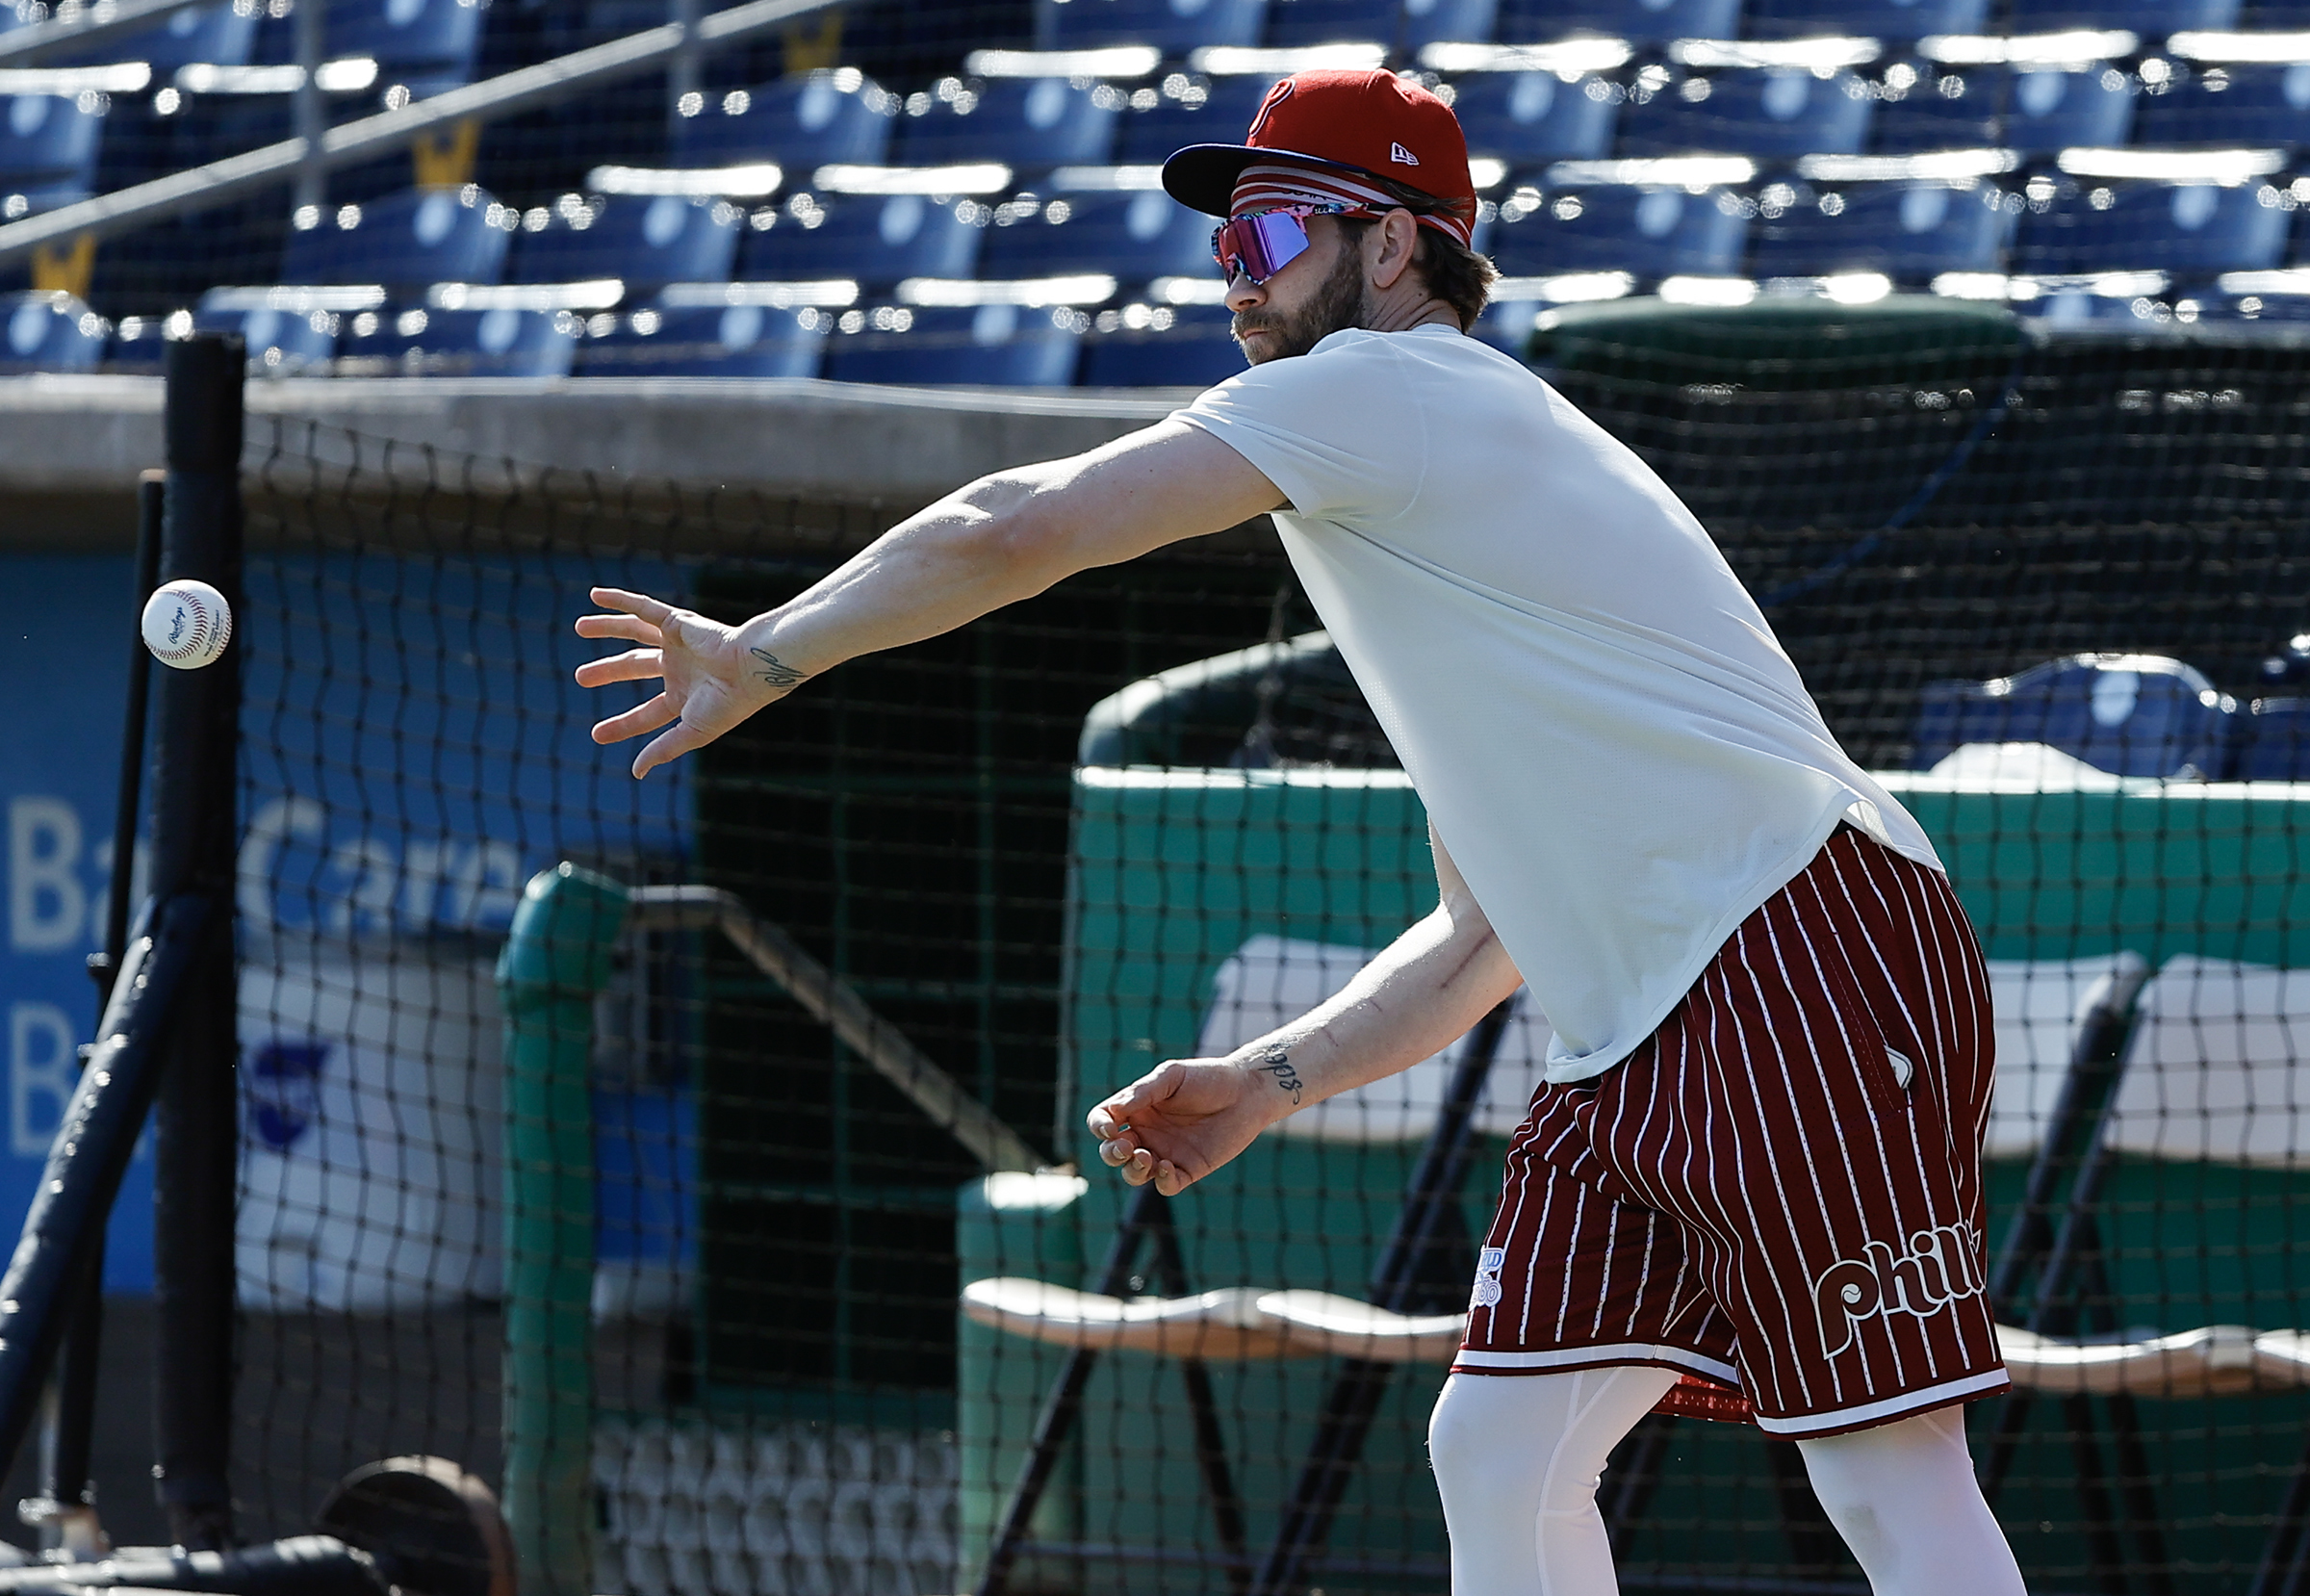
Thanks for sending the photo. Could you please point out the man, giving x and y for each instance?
(1756, 1161)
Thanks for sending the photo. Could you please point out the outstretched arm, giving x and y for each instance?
(1426, 989)
(1003, 538)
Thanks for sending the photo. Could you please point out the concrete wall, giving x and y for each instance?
(71, 446)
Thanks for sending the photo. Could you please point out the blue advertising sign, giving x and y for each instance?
(66, 649)
(414, 750)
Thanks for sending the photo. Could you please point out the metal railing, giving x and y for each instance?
(525, 89)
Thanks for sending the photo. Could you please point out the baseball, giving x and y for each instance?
(186, 624)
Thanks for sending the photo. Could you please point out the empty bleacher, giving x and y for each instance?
(882, 206)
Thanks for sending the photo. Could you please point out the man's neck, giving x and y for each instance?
(1406, 306)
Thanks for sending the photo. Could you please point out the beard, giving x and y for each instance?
(1336, 306)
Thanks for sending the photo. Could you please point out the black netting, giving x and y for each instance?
(764, 1372)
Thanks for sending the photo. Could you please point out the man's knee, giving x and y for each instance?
(1541, 1439)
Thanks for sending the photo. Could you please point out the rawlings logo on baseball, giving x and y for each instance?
(186, 624)
(1941, 1265)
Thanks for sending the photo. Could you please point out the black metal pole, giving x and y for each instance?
(195, 728)
(1064, 1401)
(2285, 1566)
(1203, 1408)
(90, 1151)
(152, 492)
(1632, 1477)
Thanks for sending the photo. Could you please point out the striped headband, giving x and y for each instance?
(1272, 185)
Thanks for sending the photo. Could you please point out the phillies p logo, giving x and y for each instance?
(1276, 96)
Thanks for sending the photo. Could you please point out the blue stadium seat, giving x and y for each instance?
(425, 45)
(1132, 237)
(282, 340)
(1160, 347)
(1189, 111)
(1910, 232)
(640, 240)
(213, 36)
(1426, 22)
(1651, 233)
(2244, 304)
(2192, 230)
(802, 123)
(1954, 109)
(2272, 741)
(2152, 19)
(1776, 114)
(48, 149)
(1403, 28)
(2129, 714)
(872, 239)
(1172, 26)
(2036, 113)
(2044, 112)
(983, 345)
(49, 332)
(2228, 107)
(1535, 116)
(501, 341)
(1300, 23)
(407, 240)
(1643, 21)
(139, 343)
(1886, 19)
(2086, 303)
(1027, 124)
(751, 341)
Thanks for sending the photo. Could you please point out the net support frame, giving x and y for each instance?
(195, 718)
(90, 1153)
(556, 962)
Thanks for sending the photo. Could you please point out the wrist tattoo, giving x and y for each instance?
(775, 671)
(1277, 1063)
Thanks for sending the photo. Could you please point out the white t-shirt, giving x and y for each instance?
(1604, 731)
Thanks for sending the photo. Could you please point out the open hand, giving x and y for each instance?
(1184, 1120)
(712, 680)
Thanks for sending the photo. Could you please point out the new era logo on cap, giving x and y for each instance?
(1401, 156)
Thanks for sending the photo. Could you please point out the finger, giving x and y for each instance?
(670, 747)
(633, 627)
(655, 611)
(1140, 1169)
(1111, 1117)
(1170, 1180)
(633, 665)
(641, 718)
(1117, 1152)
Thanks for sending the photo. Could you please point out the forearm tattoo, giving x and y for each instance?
(775, 671)
(1277, 1063)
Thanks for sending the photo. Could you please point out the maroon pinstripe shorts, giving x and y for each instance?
(1777, 1193)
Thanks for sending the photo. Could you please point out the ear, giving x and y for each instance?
(1390, 249)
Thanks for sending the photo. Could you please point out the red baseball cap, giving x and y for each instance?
(1372, 123)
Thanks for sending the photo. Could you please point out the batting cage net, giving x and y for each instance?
(696, 1160)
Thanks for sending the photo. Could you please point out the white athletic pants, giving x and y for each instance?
(1517, 1461)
